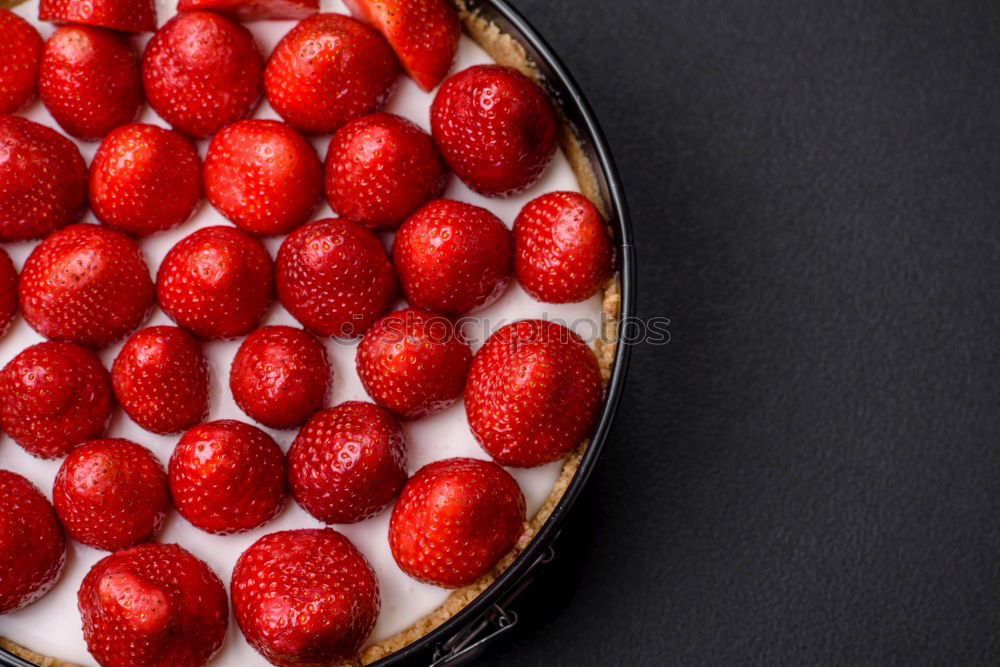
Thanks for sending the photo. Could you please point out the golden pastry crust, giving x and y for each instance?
(505, 50)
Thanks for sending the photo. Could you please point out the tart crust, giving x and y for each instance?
(505, 50)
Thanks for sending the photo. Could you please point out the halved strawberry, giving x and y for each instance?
(123, 15)
(254, 10)
(161, 379)
(454, 520)
(32, 544)
(154, 604)
(423, 33)
(533, 393)
(111, 494)
(202, 72)
(54, 396)
(228, 477)
(19, 65)
(145, 179)
(8, 291)
(90, 81)
(87, 284)
(43, 180)
(327, 70)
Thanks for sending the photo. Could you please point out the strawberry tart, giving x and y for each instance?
(307, 309)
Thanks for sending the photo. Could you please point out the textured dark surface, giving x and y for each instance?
(809, 473)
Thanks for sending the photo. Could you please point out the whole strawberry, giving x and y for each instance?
(32, 544)
(8, 291)
(334, 277)
(453, 257)
(454, 521)
(413, 363)
(320, 601)
(43, 180)
(347, 462)
(111, 494)
(228, 477)
(161, 379)
(254, 10)
(563, 251)
(263, 176)
(54, 396)
(126, 16)
(280, 376)
(423, 33)
(381, 168)
(154, 605)
(145, 179)
(533, 393)
(202, 72)
(216, 283)
(86, 284)
(90, 81)
(327, 70)
(496, 129)
(19, 66)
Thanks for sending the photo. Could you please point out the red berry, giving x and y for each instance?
(86, 284)
(455, 520)
(216, 283)
(380, 169)
(453, 258)
(347, 462)
(533, 393)
(563, 251)
(263, 176)
(43, 180)
(305, 597)
(496, 129)
(202, 72)
(228, 477)
(123, 15)
(145, 179)
(8, 291)
(161, 379)
(19, 66)
(423, 33)
(327, 70)
(280, 376)
(253, 10)
(89, 81)
(334, 277)
(413, 363)
(32, 544)
(111, 494)
(53, 396)
(155, 605)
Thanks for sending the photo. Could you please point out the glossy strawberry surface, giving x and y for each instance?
(87, 284)
(329, 69)
(43, 180)
(161, 379)
(347, 462)
(305, 597)
(145, 179)
(280, 376)
(123, 15)
(155, 605)
(254, 10)
(533, 393)
(202, 72)
(32, 543)
(228, 477)
(111, 494)
(8, 291)
(453, 258)
(454, 520)
(54, 396)
(19, 66)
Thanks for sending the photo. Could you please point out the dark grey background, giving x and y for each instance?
(809, 472)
